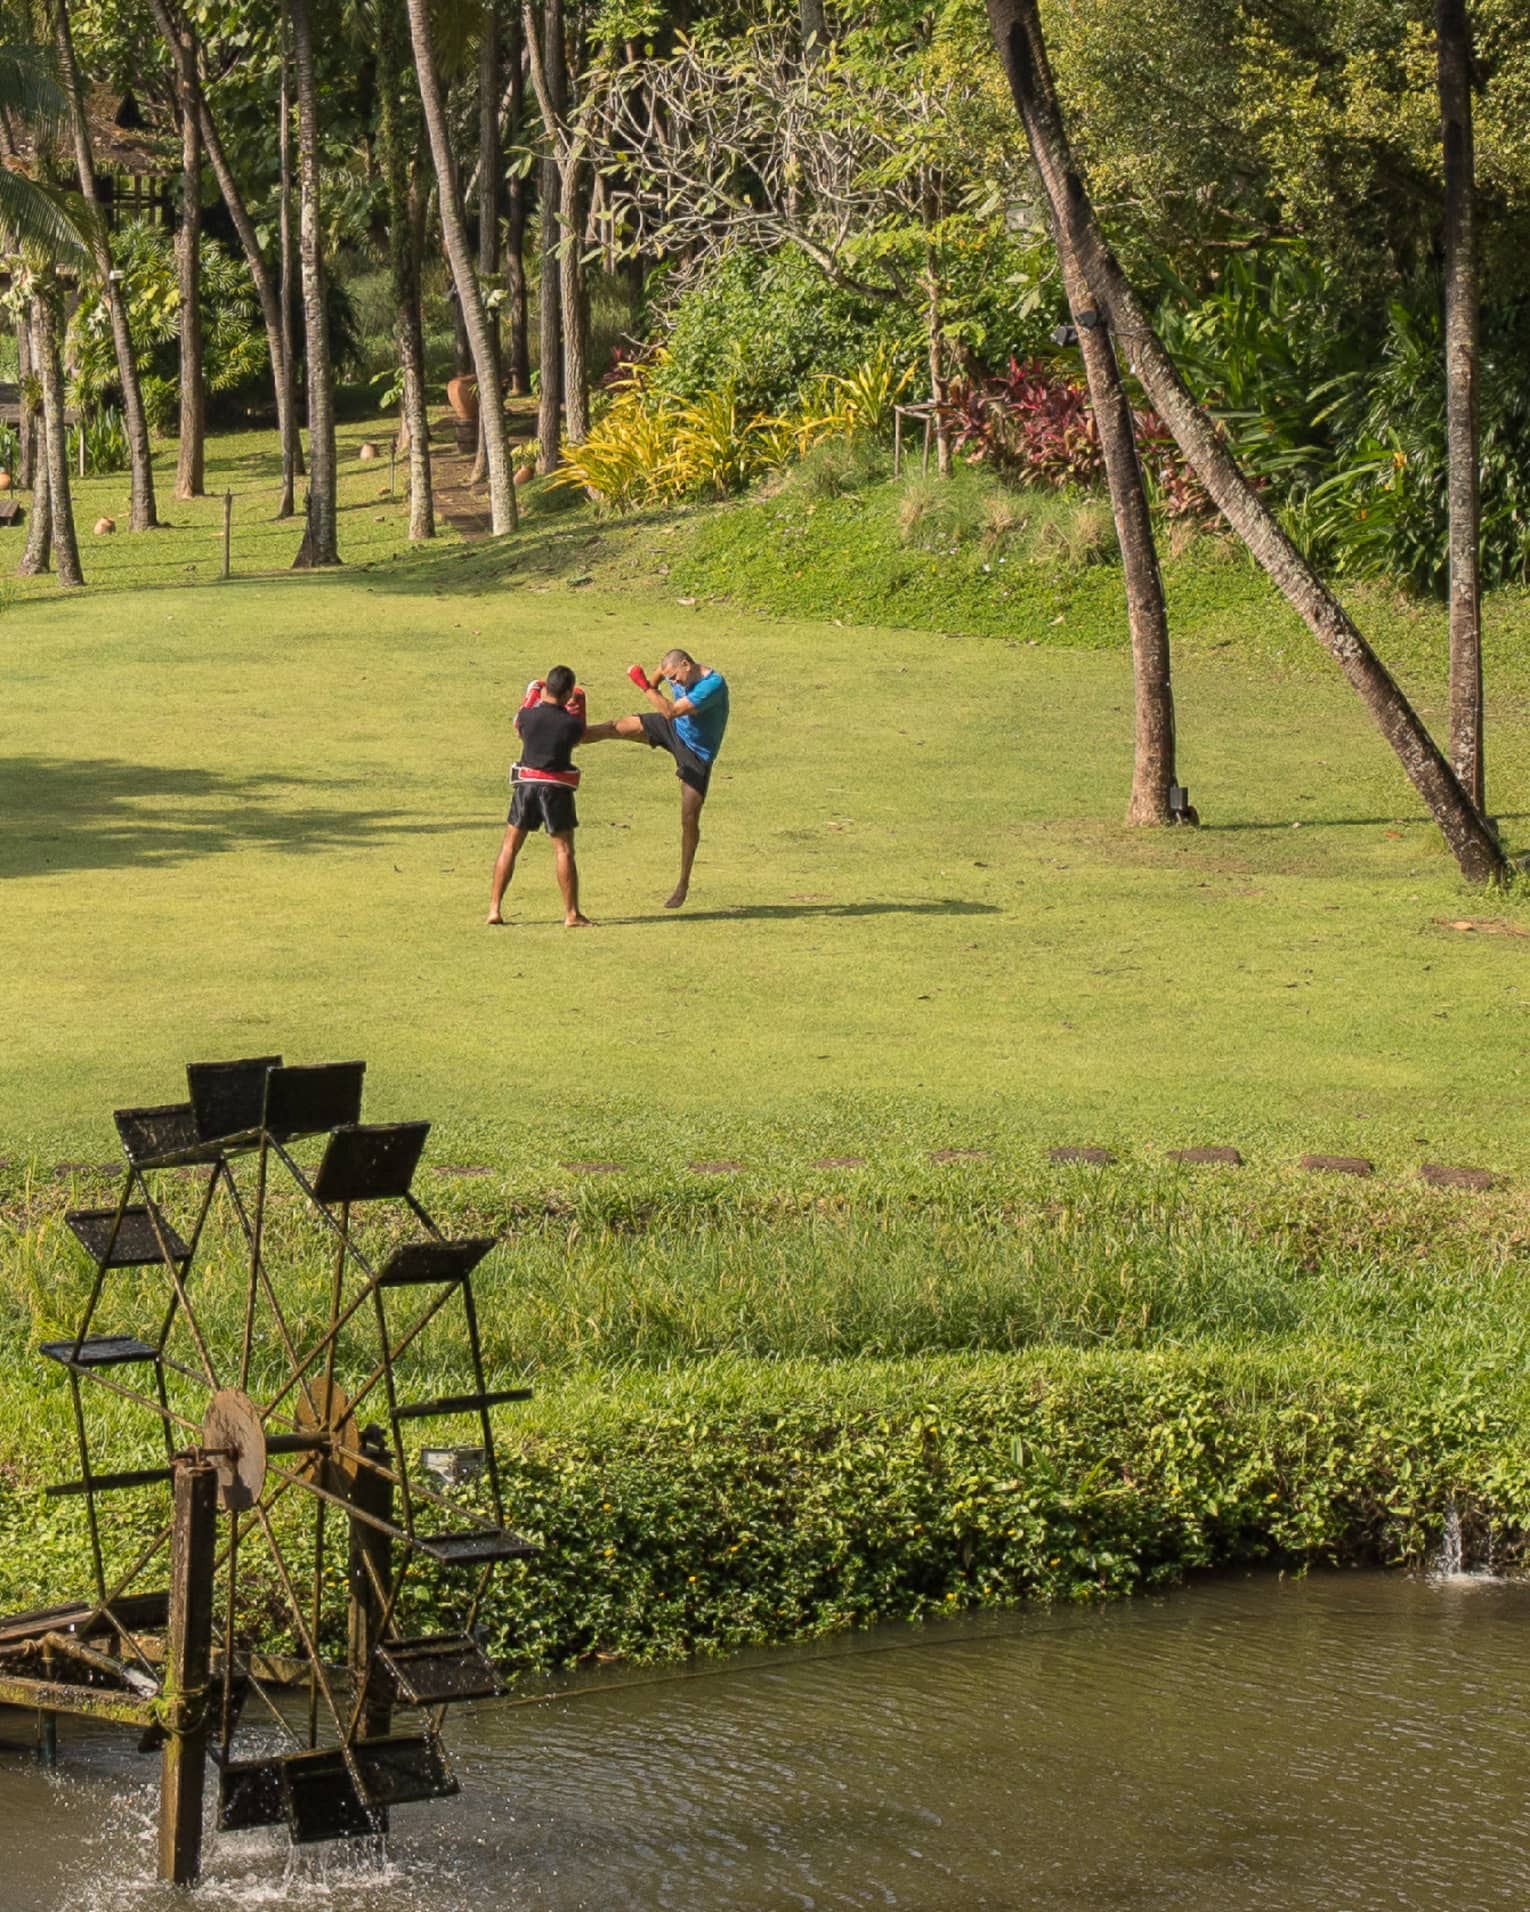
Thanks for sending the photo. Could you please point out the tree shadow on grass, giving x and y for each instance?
(1236, 827)
(101, 813)
(785, 912)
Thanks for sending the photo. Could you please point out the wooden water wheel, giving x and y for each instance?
(280, 1412)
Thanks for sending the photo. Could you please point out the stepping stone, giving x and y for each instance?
(1338, 1164)
(593, 1168)
(1197, 1158)
(840, 1161)
(715, 1168)
(1099, 1158)
(958, 1155)
(1439, 1176)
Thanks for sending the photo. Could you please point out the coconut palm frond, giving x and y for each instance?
(42, 218)
(29, 86)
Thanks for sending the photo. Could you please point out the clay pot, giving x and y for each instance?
(367, 451)
(524, 474)
(462, 396)
(105, 526)
(5, 481)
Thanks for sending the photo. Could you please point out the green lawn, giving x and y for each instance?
(260, 815)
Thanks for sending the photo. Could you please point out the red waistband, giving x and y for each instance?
(522, 773)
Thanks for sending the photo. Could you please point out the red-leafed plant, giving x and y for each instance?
(1034, 424)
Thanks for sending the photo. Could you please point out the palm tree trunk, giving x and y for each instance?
(191, 451)
(38, 555)
(141, 512)
(1147, 615)
(26, 441)
(1017, 33)
(406, 220)
(66, 550)
(321, 539)
(491, 407)
(293, 466)
(573, 297)
(191, 446)
(411, 346)
(550, 192)
(519, 356)
(1461, 419)
(490, 166)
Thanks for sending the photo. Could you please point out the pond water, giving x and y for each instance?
(1345, 1740)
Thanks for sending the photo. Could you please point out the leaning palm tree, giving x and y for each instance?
(491, 405)
(41, 227)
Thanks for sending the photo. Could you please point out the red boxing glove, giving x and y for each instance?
(533, 693)
(576, 706)
(639, 676)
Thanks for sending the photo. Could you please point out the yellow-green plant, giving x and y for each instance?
(624, 461)
(715, 446)
(648, 448)
(859, 403)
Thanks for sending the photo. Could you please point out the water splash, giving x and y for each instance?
(1449, 1563)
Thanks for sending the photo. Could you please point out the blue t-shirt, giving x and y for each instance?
(702, 727)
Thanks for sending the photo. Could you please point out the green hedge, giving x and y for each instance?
(776, 1504)
(738, 1504)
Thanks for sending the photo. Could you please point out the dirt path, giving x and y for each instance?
(464, 506)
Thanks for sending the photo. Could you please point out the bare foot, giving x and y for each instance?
(674, 902)
(577, 922)
(496, 921)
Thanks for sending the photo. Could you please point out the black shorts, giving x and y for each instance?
(543, 806)
(689, 768)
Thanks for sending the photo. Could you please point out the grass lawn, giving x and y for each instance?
(261, 814)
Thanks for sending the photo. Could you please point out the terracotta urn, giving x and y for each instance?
(462, 396)
(105, 526)
(5, 481)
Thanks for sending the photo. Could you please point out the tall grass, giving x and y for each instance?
(611, 1285)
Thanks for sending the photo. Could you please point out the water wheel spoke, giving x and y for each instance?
(311, 1649)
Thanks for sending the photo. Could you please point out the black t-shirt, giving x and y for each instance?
(548, 737)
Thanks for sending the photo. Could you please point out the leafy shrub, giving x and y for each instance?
(771, 326)
(106, 443)
(1385, 507)
(763, 1503)
(1339, 409)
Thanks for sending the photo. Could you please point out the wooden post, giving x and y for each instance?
(188, 1656)
(82, 447)
(47, 1723)
(228, 529)
(392, 464)
(897, 439)
(370, 1576)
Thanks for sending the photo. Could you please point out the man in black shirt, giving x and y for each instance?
(545, 780)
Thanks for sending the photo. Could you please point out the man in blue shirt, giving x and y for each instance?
(689, 724)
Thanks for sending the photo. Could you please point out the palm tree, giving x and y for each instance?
(141, 511)
(491, 407)
(40, 226)
(321, 540)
